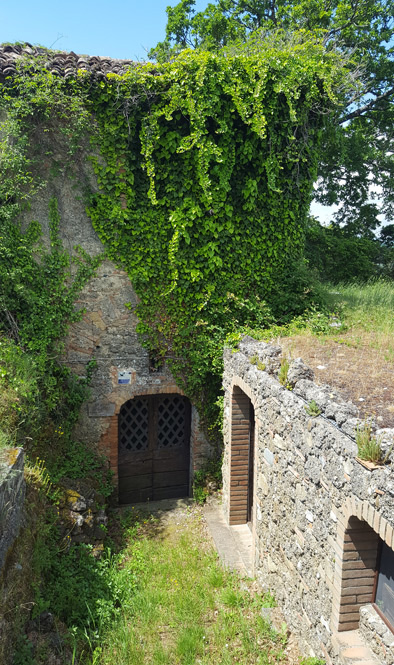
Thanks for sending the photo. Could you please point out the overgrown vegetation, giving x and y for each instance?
(356, 158)
(208, 176)
(39, 281)
(186, 608)
(79, 591)
(39, 397)
(205, 168)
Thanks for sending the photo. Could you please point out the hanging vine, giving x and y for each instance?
(205, 169)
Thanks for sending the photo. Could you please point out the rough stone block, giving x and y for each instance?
(101, 409)
(12, 493)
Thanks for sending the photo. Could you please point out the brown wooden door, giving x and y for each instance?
(251, 463)
(154, 448)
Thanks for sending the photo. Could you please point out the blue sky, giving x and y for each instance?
(116, 29)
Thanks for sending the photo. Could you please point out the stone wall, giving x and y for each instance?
(377, 634)
(107, 331)
(317, 514)
(12, 494)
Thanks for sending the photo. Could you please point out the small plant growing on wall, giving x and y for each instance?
(313, 409)
(370, 447)
(255, 360)
(283, 372)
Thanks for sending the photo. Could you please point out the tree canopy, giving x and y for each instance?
(356, 161)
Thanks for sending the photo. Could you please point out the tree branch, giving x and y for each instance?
(349, 22)
(368, 107)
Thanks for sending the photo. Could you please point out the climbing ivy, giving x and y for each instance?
(204, 188)
(39, 280)
(205, 168)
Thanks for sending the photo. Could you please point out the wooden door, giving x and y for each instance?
(154, 448)
(251, 463)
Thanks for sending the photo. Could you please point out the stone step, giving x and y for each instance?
(352, 649)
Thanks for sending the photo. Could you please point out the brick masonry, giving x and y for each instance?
(241, 426)
(318, 514)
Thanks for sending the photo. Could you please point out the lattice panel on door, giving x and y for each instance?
(171, 422)
(133, 425)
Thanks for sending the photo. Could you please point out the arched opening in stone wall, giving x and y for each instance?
(154, 448)
(359, 566)
(241, 458)
(364, 572)
(367, 576)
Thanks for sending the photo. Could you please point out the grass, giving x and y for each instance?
(369, 447)
(368, 312)
(356, 357)
(187, 610)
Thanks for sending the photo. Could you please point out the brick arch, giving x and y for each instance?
(243, 425)
(360, 528)
(168, 387)
(108, 444)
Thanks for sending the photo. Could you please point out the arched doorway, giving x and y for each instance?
(154, 448)
(356, 572)
(242, 458)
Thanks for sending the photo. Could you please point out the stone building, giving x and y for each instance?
(322, 524)
(136, 414)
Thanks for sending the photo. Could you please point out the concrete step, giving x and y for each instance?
(352, 649)
(233, 543)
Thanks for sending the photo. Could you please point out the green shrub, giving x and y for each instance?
(83, 591)
(24, 652)
(210, 473)
(296, 290)
(339, 258)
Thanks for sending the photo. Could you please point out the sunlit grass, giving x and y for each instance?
(352, 348)
(188, 610)
(367, 310)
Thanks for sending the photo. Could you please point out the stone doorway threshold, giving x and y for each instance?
(234, 544)
(352, 649)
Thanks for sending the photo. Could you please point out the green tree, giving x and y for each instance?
(387, 235)
(358, 144)
(340, 257)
